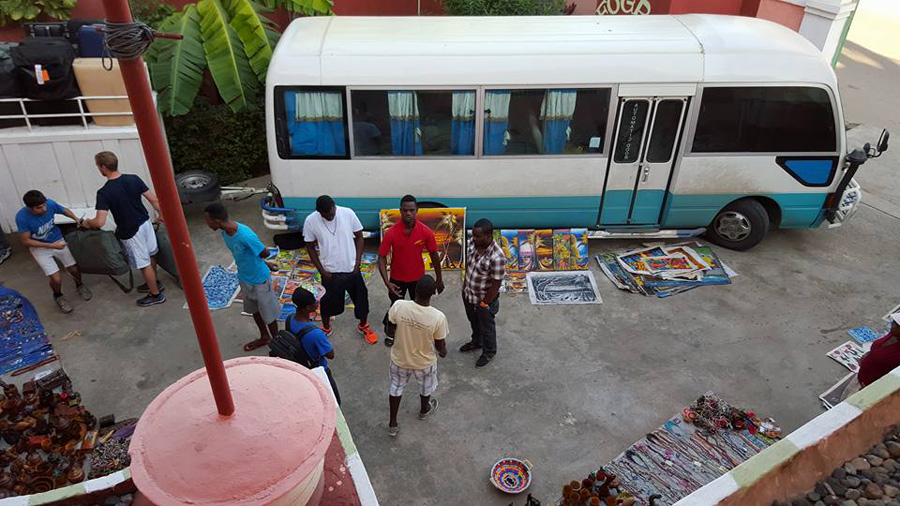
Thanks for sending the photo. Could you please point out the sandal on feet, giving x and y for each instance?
(393, 431)
(432, 407)
(257, 343)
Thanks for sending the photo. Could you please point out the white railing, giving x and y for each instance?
(82, 113)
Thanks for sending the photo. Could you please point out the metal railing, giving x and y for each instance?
(82, 113)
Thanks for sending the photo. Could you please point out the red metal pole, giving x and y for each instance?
(145, 116)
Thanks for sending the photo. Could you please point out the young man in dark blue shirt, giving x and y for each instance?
(314, 341)
(121, 196)
(45, 241)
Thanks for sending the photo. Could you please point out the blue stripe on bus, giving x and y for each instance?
(504, 212)
(616, 204)
(798, 210)
(647, 206)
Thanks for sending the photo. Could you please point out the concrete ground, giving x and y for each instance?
(572, 386)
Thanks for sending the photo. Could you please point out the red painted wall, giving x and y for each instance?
(789, 15)
(705, 6)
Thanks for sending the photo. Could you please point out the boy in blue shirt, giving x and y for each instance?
(254, 273)
(314, 341)
(46, 244)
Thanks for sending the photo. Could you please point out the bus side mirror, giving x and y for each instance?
(882, 145)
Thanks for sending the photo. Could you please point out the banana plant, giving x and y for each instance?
(176, 68)
(305, 7)
(232, 39)
(225, 54)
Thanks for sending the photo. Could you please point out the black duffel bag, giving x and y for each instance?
(165, 258)
(100, 252)
(44, 68)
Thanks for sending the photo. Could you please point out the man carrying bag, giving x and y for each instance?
(303, 341)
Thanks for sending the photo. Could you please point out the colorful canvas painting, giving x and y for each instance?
(449, 227)
(848, 355)
(527, 257)
(516, 282)
(220, 286)
(509, 243)
(668, 263)
(563, 287)
(864, 334)
(563, 246)
(580, 251)
(543, 249)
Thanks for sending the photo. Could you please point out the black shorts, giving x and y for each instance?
(351, 283)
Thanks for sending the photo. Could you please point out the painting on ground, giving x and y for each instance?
(562, 287)
(449, 227)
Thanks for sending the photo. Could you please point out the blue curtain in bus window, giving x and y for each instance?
(556, 113)
(406, 133)
(315, 121)
(462, 135)
(496, 121)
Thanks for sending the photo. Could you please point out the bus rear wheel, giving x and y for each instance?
(740, 226)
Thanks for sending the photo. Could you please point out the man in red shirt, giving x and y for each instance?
(883, 357)
(405, 241)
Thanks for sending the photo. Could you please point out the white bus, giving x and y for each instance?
(622, 124)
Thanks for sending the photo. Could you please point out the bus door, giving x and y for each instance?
(643, 155)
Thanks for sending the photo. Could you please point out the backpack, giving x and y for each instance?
(53, 56)
(289, 346)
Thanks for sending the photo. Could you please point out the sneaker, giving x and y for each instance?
(63, 304)
(470, 346)
(84, 291)
(6, 253)
(393, 431)
(368, 333)
(432, 407)
(483, 360)
(151, 300)
(327, 330)
(145, 288)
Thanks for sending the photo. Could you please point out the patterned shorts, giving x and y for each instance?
(426, 378)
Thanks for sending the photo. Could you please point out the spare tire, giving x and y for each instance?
(197, 186)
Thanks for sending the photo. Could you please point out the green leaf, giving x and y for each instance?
(257, 33)
(309, 7)
(228, 63)
(176, 67)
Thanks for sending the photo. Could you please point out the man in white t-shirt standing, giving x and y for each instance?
(419, 330)
(334, 240)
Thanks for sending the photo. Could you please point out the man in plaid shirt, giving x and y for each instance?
(485, 268)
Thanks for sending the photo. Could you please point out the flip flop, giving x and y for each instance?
(257, 343)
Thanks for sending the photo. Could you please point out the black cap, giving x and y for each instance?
(303, 297)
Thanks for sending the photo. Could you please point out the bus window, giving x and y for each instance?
(545, 121)
(765, 120)
(310, 122)
(413, 122)
(665, 131)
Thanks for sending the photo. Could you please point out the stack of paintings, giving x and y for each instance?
(662, 271)
(542, 250)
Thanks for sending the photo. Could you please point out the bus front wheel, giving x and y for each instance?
(740, 226)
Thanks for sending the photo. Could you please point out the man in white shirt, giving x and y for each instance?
(334, 240)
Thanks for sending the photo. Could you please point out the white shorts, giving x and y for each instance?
(46, 258)
(426, 378)
(141, 246)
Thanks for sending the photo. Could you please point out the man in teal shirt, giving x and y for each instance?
(254, 273)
